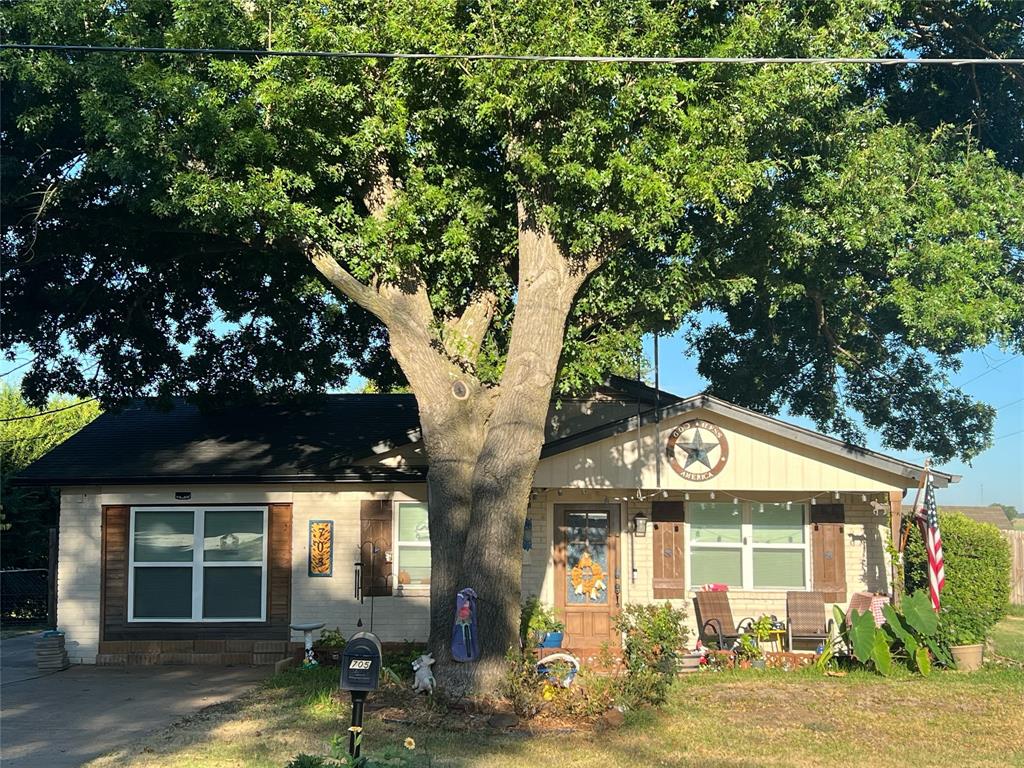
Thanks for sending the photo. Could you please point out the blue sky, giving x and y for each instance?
(994, 376)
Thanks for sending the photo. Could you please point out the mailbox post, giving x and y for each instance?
(360, 674)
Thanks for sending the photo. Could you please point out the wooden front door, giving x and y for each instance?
(586, 565)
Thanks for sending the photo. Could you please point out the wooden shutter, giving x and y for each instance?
(667, 534)
(114, 568)
(279, 573)
(828, 551)
(375, 547)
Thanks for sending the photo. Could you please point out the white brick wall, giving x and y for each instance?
(78, 574)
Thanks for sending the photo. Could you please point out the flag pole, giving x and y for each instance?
(917, 502)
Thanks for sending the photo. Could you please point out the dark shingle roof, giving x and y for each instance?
(321, 440)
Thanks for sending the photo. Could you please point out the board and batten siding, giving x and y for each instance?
(759, 460)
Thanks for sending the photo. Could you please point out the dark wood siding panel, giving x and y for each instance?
(828, 551)
(375, 546)
(114, 603)
(114, 567)
(279, 577)
(667, 535)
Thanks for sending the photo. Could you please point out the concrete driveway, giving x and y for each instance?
(67, 718)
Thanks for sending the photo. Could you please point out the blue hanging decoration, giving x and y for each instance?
(465, 646)
(528, 535)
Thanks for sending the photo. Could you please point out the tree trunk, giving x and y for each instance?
(489, 549)
(482, 444)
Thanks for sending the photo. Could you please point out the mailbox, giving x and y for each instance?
(360, 663)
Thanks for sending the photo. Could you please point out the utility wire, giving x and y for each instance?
(533, 58)
(986, 373)
(47, 413)
(17, 367)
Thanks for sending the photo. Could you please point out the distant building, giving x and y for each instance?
(993, 514)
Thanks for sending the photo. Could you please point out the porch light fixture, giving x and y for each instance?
(712, 495)
(639, 525)
(835, 494)
(814, 501)
(686, 496)
(863, 497)
(789, 505)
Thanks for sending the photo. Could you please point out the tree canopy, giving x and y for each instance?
(857, 229)
(26, 433)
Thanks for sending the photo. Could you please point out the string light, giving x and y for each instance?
(789, 505)
(686, 496)
(835, 494)
(735, 501)
(814, 501)
(863, 497)
(712, 495)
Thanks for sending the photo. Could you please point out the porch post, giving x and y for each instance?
(895, 555)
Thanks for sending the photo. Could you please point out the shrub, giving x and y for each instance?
(521, 683)
(977, 566)
(654, 637)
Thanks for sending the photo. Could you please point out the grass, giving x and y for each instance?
(730, 719)
(1008, 636)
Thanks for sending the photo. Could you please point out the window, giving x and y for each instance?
(748, 546)
(412, 546)
(189, 564)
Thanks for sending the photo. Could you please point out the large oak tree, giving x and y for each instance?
(490, 232)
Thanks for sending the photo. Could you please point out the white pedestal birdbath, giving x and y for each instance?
(307, 629)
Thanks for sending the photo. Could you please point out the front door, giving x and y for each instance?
(586, 566)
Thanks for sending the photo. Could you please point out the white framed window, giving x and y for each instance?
(749, 546)
(197, 564)
(412, 546)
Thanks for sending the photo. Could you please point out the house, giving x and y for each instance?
(191, 536)
(992, 515)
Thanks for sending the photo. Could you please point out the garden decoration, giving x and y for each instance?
(588, 577)
(424, 680)
(551, 667)
(464, 640)
(307, 629)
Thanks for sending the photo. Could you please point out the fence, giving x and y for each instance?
(1016, 539)
(24, 595)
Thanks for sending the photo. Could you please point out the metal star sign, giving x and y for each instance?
(705, 447)
(697, 450)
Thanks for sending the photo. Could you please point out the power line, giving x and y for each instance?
(47, 436)
(986, 373)
(533, 58)
(47, 413)
(17, 367)
(1008, 434)
(1014, 402)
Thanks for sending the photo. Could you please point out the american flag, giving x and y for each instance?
(927, 516)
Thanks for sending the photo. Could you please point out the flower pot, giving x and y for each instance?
(757, 664)
(968, 657)
(551, 640)
(690, 662)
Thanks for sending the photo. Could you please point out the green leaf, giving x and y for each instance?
(918, 611)
(923, 661)
(894, 624)
(880, 653)
(862, 634)
(939, 651)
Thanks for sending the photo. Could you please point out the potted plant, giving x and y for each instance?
(329, 646)
(966, 645)
(539, 626)
(748, 652)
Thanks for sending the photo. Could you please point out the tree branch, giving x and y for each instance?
(464, 335)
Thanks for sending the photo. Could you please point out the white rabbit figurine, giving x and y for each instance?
(424, 682)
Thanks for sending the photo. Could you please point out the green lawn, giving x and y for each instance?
(1008, 636)
(723, 719)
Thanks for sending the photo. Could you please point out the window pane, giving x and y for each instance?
(412, 522)
(778, 568)
(709, 565)
(163, 536)
(236, 536)
(232, 593)
(163, 593)
(715, 522)
(774, 524)
(414, 566)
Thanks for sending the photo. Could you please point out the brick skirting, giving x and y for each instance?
(200, 652)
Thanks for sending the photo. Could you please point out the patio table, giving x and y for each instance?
(870, 601)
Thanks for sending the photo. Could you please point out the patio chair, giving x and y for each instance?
(805, 617)
(714, 618)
